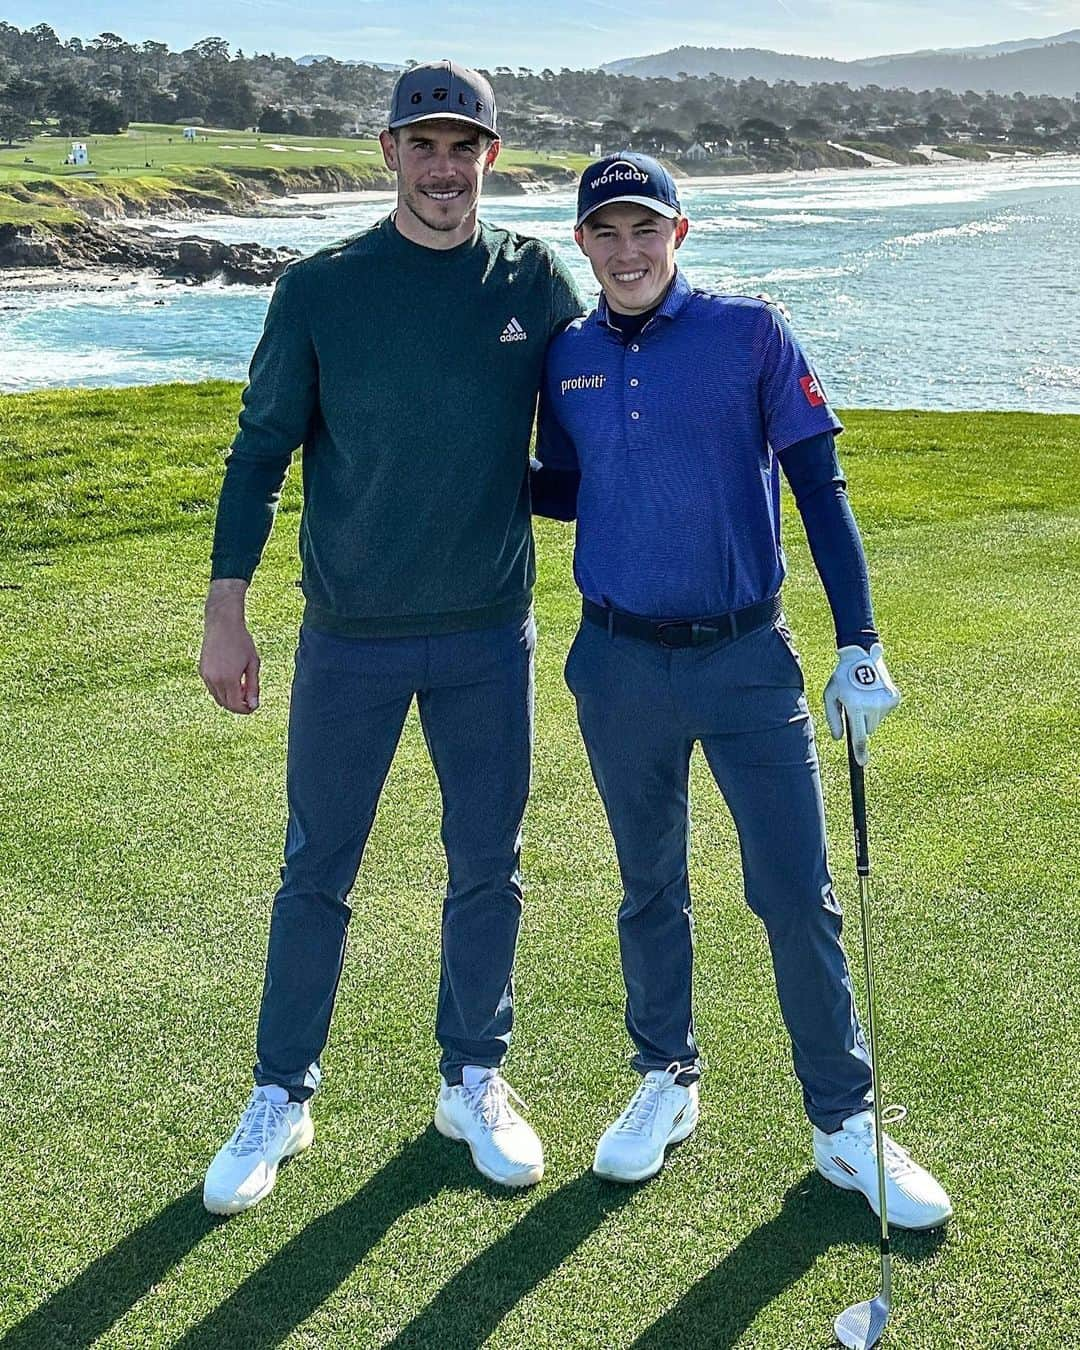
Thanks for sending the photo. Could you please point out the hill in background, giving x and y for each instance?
(1036, 65)
(712, 123)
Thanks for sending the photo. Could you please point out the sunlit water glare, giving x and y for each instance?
(949, 287)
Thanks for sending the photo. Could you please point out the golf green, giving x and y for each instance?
(139, 855)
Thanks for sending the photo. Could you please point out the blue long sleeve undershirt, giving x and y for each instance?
(820, 490)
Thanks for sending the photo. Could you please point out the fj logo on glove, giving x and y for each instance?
(864, 675)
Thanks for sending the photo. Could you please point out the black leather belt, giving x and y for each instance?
(684, 632)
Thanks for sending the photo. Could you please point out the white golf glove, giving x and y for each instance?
(861, 687)
(778, 305)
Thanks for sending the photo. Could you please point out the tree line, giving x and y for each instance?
(101, 85)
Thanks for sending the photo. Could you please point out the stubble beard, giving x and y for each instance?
(414, 203)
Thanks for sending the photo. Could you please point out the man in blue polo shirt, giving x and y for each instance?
(665, 416)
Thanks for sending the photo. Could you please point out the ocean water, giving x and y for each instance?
(948, 287)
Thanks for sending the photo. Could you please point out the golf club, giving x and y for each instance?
(862, 1325)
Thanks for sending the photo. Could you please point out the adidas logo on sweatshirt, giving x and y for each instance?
(513, 332)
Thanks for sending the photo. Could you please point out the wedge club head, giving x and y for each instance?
(861, 1326)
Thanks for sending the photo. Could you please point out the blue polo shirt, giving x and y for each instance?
(676, 435)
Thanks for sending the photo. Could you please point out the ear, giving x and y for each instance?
(389, 150)
(682, 229)
(492, 154)
(579, 238)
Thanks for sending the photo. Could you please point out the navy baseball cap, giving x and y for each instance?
(627, 177)
(443, 89)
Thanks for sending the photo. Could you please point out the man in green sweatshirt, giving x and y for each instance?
(406, 361)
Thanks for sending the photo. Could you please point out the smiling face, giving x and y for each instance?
(440, 166)
(632, 252)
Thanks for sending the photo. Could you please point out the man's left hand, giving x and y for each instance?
(778, 305)
(862, 688)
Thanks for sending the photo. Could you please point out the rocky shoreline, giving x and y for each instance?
(90, 246)
(97, 242)
(106, 231)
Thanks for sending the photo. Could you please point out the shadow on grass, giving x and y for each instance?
(85, 1309)
(814, 1217)
(469, 1307)
(272, 1302)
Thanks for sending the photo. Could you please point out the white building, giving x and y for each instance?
(191, 133)
(78, 154)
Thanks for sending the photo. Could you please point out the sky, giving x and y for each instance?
(575, 33)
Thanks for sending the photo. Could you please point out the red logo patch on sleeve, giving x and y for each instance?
(815, 396)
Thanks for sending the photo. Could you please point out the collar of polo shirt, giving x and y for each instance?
(678, 293)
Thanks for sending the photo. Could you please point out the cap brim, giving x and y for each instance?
(661, 208)
(442, 117)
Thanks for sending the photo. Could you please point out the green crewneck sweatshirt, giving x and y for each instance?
(410, 377)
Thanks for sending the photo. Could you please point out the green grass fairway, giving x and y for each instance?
(149, 160)
(216, 148)
(139, 855)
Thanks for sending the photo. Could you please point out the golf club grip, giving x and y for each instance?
(858, 807)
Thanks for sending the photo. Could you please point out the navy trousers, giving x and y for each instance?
(350, 697)
(641, 708)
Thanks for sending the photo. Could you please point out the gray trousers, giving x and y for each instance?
(641, 708)
(350, 697)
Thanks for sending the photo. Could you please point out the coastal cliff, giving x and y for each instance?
(79, 245)
(78, 224)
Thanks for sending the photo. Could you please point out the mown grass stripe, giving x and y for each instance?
(142, 833)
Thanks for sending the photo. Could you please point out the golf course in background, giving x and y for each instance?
(151, 168)
(138, 859)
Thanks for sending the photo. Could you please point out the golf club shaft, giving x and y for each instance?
(862, 866)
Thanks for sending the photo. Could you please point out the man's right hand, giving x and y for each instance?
(229, 662)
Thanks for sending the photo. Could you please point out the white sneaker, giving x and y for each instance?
(848, 1159)
(478, 1112)
(658, 1114)
(271, 1129)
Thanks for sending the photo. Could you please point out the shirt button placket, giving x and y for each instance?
(635, 413)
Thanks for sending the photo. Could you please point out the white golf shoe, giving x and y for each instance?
(848, 1158)
(658, 1114)
(245, 1168)
(477, 1112)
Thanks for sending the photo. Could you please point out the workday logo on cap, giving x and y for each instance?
(627, 177)
(619, 172)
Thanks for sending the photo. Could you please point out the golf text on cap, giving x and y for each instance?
(475, 107)
(443, 89)
(619, 172)
(584, 382)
